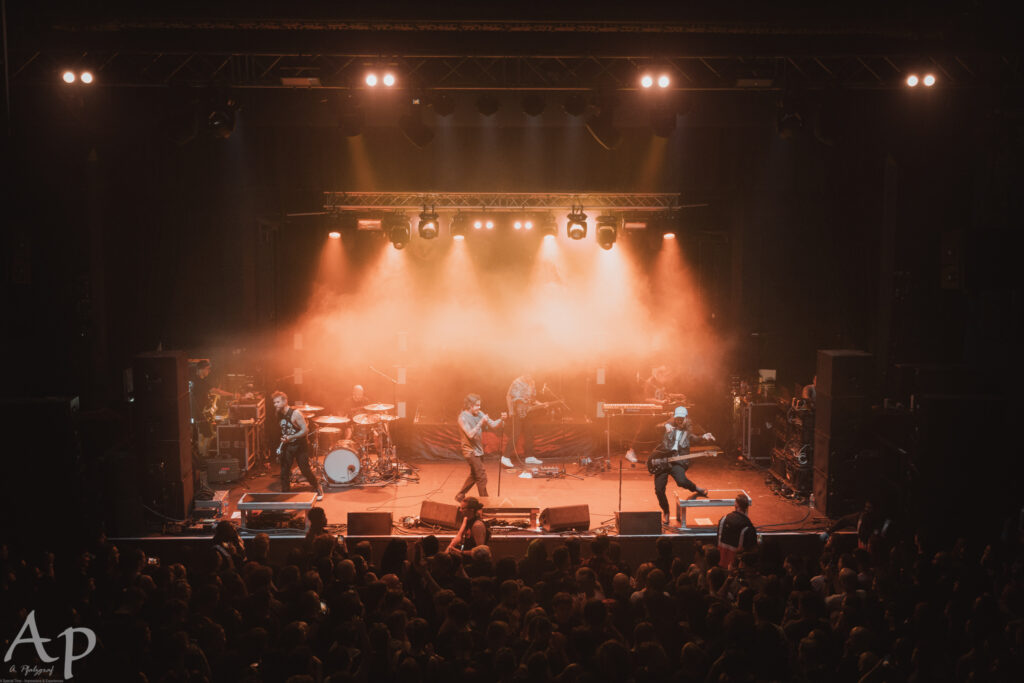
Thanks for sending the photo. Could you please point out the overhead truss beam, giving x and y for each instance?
(336, 202)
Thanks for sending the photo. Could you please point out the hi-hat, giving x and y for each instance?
(379, 407)
(309, 409)
(331, 420)
(388, 418)
(366, 419)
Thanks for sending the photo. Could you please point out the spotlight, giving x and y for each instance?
(518, 225)
(86, 78)
(489, 224)
(669, 235)
(547, 226)
(429, 226)
(69, 77)
(575, 105)
(646, 81)
(371, 79)
(388, 80)
(221, 120)
(929, 80)
(398, 231)
(487, 104)
(477, 225)
(912, 80)
(334, 234)
(443, 104)
(607, 231)
(663, 81)
(576, 228)
(528, 225)
(458, 227)
(533, 105)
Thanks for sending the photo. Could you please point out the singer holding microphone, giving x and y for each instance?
(472, 422)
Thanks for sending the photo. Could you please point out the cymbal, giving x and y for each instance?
(330, 430)
(309, 409)
(331, 420)
(388, 418)
(366, 419)
(379, 407)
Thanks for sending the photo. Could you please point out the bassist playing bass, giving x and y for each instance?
(521, 399)
(671, 458)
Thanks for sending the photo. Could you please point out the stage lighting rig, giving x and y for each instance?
(429, 225)
(607, 231)
(398, 230)
(459, 226)
(576, 225)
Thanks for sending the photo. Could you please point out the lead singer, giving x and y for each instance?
(472, 421)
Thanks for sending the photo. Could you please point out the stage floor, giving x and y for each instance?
(440, 480)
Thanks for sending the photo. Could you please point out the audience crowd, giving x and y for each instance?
(881, 610)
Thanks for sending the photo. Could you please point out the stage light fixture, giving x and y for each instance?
(398, 231)
(912, 80)
(334, 234)
(547, 226)
(518, 225)
(664, 81)
(477, 225)
(929, 80)
(487, 104)
(533, 104)
(429, 225)
(575, 105)
(458, 227)
(86, 77)
(411, 124)
(576, 226)
(607, 231)
(528, 225)
(371, 79)
(388, 80)
(220, 122)
(489, 224)
(68, 77)
(646, 81)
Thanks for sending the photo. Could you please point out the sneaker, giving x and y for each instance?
(701, 493)
(320, 495)
(533, 461)
(506, 462)
(526, 475)
(665, 521)
(631, 455)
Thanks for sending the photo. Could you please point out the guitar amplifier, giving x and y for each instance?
(222, 470)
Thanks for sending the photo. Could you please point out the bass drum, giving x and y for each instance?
(341, 466)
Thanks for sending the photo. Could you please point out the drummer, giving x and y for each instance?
(353, 405)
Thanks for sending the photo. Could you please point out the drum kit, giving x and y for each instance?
(367, 456)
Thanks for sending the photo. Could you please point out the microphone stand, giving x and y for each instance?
(394, 384)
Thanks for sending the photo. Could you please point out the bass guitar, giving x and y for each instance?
(523, 409)
(662, 464)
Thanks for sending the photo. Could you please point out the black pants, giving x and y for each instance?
(521, 427)
(477, 475)
(678, 472)
(300, 455)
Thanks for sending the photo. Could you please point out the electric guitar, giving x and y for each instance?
(662, 464)
(523, 408)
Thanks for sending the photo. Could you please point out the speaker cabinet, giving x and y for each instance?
(638, 523)
(840, 416)
(565, 518)
(844, 372)
(441, 515)
(369, 524)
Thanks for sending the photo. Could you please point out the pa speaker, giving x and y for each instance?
(369, 524)
(566, 517)
(442, 515)
(844, 372)
(638, 523)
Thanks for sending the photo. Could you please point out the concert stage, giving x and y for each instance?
(791, 522)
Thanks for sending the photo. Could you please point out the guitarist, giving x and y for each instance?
(521, 397)
(677, 441)
(204, 404)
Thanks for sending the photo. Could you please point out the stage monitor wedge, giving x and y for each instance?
(444, 515)
(566, 518)
(644, 523)
(369, 524)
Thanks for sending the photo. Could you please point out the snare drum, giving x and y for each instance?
(341, 466)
